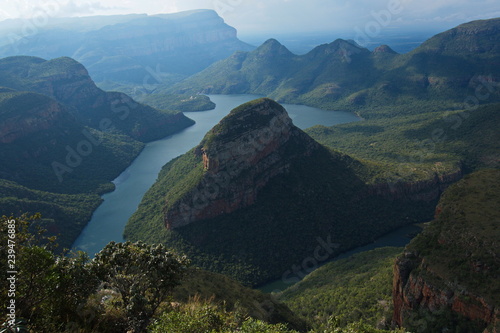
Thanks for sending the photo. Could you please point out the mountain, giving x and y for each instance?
(448, 275)
(68, 82)
(258, 195)
(445, 72)
(139, 49)
(62, 140)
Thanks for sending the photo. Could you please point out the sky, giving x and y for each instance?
(255, 16)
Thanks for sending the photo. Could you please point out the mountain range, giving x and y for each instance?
(258, 199)
(134, 49)
(342, 75)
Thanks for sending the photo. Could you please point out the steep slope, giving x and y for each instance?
(451, 70)
(138, 49)
(60, 135)
(68, 82)
(448, 276)
(357, 288)
(258, 195)
(220, 289)
(63, 215)
(43, 149)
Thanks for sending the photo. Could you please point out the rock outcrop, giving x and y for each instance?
(424, 190)
(448, 276)
(253, 144)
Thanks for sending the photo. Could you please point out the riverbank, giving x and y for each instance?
(109, 219)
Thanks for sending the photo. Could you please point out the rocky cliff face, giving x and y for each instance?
(414, 292)
(448, 276)
(423, 190)
(240, 155)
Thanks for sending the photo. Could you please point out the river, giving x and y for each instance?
(109, 219)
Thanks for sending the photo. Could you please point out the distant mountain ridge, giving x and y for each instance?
(439, 74)
(132, 48)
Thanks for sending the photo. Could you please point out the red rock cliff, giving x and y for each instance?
(240, 155)
(448, 275)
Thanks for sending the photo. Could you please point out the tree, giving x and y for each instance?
(49, 289)
(143, 275)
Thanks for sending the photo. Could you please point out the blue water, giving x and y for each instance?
(109, 220)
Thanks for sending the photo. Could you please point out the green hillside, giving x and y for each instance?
(45, 148)
(456, 259)
(446, 72)
(358, 288)
(418, 147)
(293, 213)
(68, 82)
(63, 215)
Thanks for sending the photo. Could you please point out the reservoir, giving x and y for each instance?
(109, 220)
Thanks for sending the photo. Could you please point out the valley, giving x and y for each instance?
(192, 168)
(131, 185)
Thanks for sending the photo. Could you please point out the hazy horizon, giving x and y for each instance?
(280, 16)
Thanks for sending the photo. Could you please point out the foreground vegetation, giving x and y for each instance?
(131, 287)
(127, 286)
(358, 288)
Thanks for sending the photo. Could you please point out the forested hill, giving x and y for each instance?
(60, 134)
(256, 185)
(438, 75)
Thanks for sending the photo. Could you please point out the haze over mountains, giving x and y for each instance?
(137, 49)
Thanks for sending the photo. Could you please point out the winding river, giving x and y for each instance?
(108, 221)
